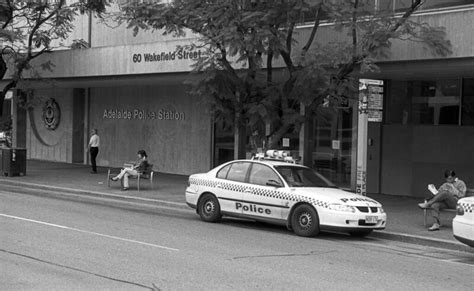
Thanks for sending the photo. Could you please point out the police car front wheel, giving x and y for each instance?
(305, 220)
(209, 209)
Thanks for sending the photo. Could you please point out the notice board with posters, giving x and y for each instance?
(374, 100)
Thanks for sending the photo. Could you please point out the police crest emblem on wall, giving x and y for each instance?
(51, 114)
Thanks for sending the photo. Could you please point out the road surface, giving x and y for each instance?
(53, 244)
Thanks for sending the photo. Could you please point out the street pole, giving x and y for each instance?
(361, 177)
(370, 110)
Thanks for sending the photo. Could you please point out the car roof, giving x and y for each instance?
(272, 162)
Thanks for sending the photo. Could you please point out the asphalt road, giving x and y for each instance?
(52, 244)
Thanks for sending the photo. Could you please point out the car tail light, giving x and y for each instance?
(459, 210)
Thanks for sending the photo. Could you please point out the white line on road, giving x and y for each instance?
(88, 232)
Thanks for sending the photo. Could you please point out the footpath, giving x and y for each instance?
(405, 219)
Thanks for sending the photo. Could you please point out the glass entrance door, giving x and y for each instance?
(332, 132)
(223, 142)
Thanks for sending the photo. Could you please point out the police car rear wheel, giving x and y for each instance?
(305, 221)
(209, 208)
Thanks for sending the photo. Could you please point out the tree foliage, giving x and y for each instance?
(30, 29)
(244, 39)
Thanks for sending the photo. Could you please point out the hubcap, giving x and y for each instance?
(209, 207)
(305, 220)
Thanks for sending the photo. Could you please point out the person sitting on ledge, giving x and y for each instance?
(447, 197)
(138, 167)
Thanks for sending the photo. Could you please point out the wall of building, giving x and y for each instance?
(458, 26)
(415, 156)
(42, 143)
(130, 118)
(115, 51)
(457, 20)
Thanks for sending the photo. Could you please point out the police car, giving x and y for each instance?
(274, 189)
(463, 223)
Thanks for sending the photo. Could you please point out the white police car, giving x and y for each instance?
(463, 223)
(275, 191)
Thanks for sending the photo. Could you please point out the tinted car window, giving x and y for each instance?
(303, 177)
(223, 172)
(238, 171)
(261, 174)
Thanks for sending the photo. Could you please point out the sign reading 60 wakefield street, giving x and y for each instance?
(181, 54)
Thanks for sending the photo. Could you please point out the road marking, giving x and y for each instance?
(88, 232)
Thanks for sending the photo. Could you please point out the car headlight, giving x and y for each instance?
(459, 210)
(381, 210)
(342, 207)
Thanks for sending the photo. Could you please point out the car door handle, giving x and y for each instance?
(248, 191)
(218, 186)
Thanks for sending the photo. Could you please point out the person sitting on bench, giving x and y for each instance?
(447, 197)
(138, 167)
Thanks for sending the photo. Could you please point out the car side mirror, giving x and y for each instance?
(274, 183)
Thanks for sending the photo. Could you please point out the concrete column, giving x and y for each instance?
(86, 124)
(78, 125)
(19, 119)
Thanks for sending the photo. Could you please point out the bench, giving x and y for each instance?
(469, 193)
(146, 175)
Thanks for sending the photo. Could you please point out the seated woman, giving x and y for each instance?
(138, 167)
(447, 197)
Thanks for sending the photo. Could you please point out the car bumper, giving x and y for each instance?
(191, 198)
(352, 221)
(463, 231)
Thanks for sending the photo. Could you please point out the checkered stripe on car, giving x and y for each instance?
(203, 182)
(259, 191)
(286, 196)
(467, 207)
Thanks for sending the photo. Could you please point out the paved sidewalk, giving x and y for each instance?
(405, 219)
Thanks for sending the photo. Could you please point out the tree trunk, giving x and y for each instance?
(239, 137)
(3, 71)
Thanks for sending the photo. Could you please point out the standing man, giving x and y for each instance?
(447, 197)
(93, 148)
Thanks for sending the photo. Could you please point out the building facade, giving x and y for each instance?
(131, 89)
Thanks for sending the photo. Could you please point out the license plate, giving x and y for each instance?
(371, 219)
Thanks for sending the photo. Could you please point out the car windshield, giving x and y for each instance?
(303, 177)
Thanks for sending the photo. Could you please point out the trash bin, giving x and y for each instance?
(13, 161)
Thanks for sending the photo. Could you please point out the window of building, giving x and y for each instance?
(430, 102)
(398, 103)
(467, 113)
(435, 102)
(387, 6)
(403, 5)
(435, 4)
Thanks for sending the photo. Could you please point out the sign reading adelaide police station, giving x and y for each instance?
(162, 114)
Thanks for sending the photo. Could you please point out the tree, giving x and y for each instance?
(30, 29)
(243, 39)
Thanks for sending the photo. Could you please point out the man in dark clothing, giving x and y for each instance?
(93, 147)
